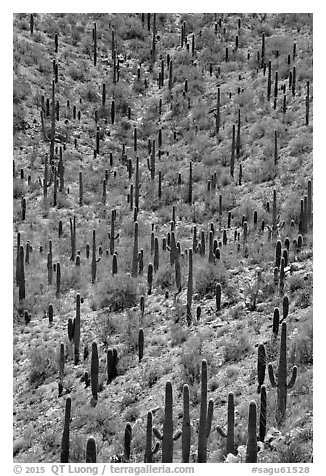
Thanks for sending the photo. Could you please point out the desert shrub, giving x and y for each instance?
(295, 282)
(139, 86)
(278, 42)
(131, 28)
(151, 374)
(291, 207)
(302, 346)
(90, 92)
(132, 413)
(264, 28)
(179, 333)
(118, 293)
(76, 73)
(300, 145)
(304, 297)
(164, 277)
(206, 278)
(193, 352)
(132, 395)
(191, 361)
(236, 349)
(42, 365)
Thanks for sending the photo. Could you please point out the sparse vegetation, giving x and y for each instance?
(162, 174)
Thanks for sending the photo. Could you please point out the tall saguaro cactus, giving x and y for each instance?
(282, 384)
(73, 238)
(77, 329)
(94, 370)
(149, 451)
(229, 435)
(189, 200)
(261, 366)
(190, 287)
(251, 455)
(167, 437)
(112, 236)
(22, 291)
(94, 257)
(186, 427)
(218, 111)
(52, 124)
(202, 436)
(65, 436)
(262, 416)
(134, 270)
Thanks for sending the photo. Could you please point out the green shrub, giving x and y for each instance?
(117, 293)
(237, 348)
(164, 277)
(302, 346)
(76, 73)
(206, 278)
(179, 333)
(42, 365)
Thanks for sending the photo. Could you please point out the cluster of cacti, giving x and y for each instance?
(206, 244)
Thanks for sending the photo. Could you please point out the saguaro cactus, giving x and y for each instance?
(229, 435)
(18, 259)
(65, 435)
(262, 416)
(77, 329)
(22, 291)
(127, 441)
(269, 80)
(261, 366)
(95, 44)
(61, 362)
(134, 270)
(218, 111)
(186, 427)
(156, 254)
(189, 199)
(251, 455)
(167, 437)
(149, 452)
(218, 294)
(58, 269)
(232, 151)
(94, 370)
(111, 234)
(150, 278)
(73, 238)
(94, 257)
(282, 384)
(140, 344)
(202, 436)
(276, 321)
(91, 450)
(111, 371)
(190, 287)
(278, 253)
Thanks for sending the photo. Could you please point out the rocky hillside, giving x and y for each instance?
(162, 184)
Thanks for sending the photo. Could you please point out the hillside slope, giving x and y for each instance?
(181, 143)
